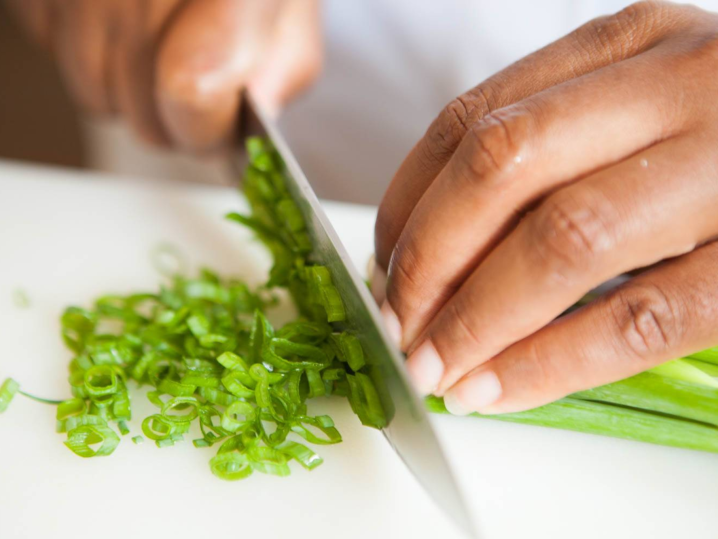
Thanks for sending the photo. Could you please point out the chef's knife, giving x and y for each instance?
(408, 429)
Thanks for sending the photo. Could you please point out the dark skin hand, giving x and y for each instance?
(592, 157)
(174, 68)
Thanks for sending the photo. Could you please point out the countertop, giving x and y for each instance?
(68, 236)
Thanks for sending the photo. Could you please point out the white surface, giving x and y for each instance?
(66, 237)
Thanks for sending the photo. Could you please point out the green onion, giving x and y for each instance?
(231, 466)
(708, 368)
(20, 298)
(212, 359)
(609, 420)
(211, 356)
(688, 371)
(80, 439)
(7, 391)
(656, 393)
(708, 356)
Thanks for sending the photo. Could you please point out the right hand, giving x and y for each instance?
(174, 68)
(593, 157)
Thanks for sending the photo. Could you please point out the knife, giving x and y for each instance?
(408, 429)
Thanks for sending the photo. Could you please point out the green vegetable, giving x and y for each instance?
(689, 371)
(80, 439)
(656, 393)
(7, 391)
(211, 356)
(609, 420)
(674, 404)
(708, 356)
(213, 359)
(20, 298)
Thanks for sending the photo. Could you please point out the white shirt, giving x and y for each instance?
(391, 66)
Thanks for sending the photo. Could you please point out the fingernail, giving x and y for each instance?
(474, 394)
(377, 281)
(391, 322)
(425, 368)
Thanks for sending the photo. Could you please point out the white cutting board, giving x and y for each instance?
(66, 237)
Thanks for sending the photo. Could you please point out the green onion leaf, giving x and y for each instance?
(81, 439)
(230, 466)
(7, 392)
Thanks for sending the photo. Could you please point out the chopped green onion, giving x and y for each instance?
(231, 466)
(70, 408)
(246, 384)
(20, 298)
(38, 399)
(80, 439)
(7, 391)
(301, 453)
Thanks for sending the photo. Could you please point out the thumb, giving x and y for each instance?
(206, 57)
(294, 59)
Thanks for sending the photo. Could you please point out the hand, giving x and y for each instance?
(174, 68)
(589, 158)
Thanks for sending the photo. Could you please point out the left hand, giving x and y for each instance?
(589, 158)
(173, 69)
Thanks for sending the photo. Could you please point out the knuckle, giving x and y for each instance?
(449, 127)
(458, 317)
(452, 123)
(625, 33)
(570, 235)
(639, 18)
(540, 366)
(648, 321)
(494, 146)
(385, 233)
(705, 51)
(407, 281)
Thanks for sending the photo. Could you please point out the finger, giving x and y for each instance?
(665, 313)
(629, 215)
(377, 284)
(208, 54)
(81, 33)
(35, 16)
(294, 58)
(510, 160)
(593, 46)
(142, 25)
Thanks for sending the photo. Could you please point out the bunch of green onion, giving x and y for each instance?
(675, 404)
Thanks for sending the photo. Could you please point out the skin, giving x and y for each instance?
(173, 69)
(592, 157)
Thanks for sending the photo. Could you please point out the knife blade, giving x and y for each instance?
(408, 429)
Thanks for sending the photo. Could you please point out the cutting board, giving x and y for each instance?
(68, 236)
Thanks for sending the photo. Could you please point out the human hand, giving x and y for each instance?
(589, 158)
(174, 68)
